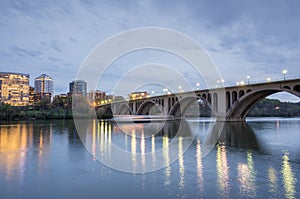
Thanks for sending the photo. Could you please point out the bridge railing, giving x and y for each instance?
(251, 82)
(226, 85)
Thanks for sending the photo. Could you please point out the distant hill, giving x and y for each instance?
(275, 108)
(264, 108)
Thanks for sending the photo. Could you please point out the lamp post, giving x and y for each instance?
(218, 82)
(268, 79)
(284, 71)
(180, 88)
(248, 79)
(222, 81)
(197, 85)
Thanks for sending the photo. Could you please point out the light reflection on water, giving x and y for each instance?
(167, 165)
(246, 173)
(288, 177)
(199, 167)
(273, 181)
(243, 164)
(222, 171)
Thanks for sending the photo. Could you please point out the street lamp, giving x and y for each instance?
(197, 85)
(180, 88)
(242, 83)
(268, 79)
(222, 80)
(284, 71)
(248, 79)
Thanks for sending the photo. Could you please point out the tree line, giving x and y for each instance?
(62, 109)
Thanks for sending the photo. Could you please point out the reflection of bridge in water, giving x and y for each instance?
(227, 104)
(138, 141)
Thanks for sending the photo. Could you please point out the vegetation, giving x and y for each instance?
(8, 112)
(62, 109)
(264, 108)
(104, 113)
(275, 108)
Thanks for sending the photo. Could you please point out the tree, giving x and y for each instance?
(6, 111)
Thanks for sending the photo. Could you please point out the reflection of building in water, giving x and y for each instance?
(128, 128)
(94, 139)
(133, 151)
(222, 171)
(181, 163)
(273, 181)
(42, 136)
(199, 166)
(143, 148)
(246, 176)
(14, 142)
(288, 177)
(153, 150)
(166, 157)
(131, 138)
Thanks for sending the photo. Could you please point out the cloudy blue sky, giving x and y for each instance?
(256, 38)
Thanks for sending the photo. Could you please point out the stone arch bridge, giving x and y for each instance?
(227, 104)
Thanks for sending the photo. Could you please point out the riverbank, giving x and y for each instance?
(265, 108)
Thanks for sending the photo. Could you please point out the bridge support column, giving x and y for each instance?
(221, 106)
(113, 109)
(165, 106)
(134, 108)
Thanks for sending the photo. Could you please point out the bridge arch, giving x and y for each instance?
(181, 106)
(215, 101)
(241, 93)
(124, 109)
(239, 110)
(287, 87)
(234, 97)
(297, 88)
(228, 100)
(145, 107)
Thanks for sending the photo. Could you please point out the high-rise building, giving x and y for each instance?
(43, 88)
(31, 95)
(138, 95)
(43, 84)
(96, 97)
(14, 88)
(78, 87)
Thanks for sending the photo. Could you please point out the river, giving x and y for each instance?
(49, 159)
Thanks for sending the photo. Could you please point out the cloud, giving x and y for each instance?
(242, 37)
(24, 52)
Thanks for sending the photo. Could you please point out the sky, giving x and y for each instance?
(255, 38)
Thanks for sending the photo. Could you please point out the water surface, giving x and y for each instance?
(46, 159)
